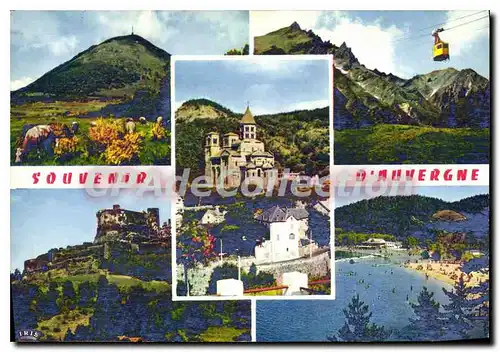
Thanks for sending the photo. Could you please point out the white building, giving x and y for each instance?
(393, 245)
(214, 216)
(287, 227)
(373, 243)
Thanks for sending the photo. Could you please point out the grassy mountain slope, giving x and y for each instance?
(101, 298)
(298, 139)
(116, 67)
(396, 144)
(128, 68)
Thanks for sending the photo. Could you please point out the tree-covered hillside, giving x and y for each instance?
(299, 140)
(403, 216)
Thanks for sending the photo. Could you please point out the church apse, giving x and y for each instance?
(233, 157)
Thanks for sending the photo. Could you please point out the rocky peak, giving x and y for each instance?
(295, 26)
(344, 57)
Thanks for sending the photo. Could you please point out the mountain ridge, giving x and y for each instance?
(441, 98)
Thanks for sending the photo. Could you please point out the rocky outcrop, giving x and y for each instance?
(121, 224)
(448, 215)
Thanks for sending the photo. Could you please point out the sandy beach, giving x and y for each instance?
(446, 272)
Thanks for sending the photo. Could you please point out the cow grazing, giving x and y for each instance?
(142, 120)
(130, 126)
(38, 136)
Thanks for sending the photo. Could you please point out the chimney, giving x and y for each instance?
(116, 206)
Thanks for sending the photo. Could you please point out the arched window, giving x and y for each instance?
(292, 236)
(258, 173)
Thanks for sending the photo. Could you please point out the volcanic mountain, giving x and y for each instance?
(364, 97)
(129, 69)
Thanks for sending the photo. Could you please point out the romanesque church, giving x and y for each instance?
(238, 156)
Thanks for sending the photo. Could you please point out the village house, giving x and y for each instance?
(213, 216)
(287, 229)
(373, 243)
(236, 156)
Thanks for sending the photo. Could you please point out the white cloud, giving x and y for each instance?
(151, 25)
(372, 44)
(63, 46)
(310, 105)
(20, 83)
(263, 22)
(178, 104)
(462, 37)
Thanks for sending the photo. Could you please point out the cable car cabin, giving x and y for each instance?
(441, 51)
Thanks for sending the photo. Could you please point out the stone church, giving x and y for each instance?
(237, 156)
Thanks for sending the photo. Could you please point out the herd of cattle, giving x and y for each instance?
(44, 137)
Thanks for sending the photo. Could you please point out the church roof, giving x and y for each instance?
(277, 214)
(248, 117)
(264, 153)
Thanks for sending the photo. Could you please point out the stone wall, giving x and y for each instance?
(199, 277)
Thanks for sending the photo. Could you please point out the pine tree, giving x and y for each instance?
(458, 311)
(357, 326)
(481, 293)
(428, 322)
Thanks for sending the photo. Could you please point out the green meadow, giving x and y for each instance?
(402, 144)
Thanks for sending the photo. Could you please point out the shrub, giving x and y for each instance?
(105, 131)
(66, 146)
(120, 151)
(158, 131)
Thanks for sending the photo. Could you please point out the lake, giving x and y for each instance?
(381, 283)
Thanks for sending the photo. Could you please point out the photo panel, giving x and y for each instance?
(408, 262)
(100, 271)
(411, 87)
(252, 143)
(93, 87)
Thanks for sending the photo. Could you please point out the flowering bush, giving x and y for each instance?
(158, 131)
(66, 146)
(105, 131)
(123, 150)
(60, 129)
(195, 244)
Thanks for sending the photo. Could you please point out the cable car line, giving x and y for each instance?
(452, 20)
(463, 24)
(444, 29)
(438, 24)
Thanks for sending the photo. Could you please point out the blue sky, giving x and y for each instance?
(42, 219)
(41, 40)
(269, 84)
(447, 193)
(376, 37)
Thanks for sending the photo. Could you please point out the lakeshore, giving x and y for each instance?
(446, 272)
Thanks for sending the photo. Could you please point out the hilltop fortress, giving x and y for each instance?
(116, 223)
(238, 156)
(118, 231)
